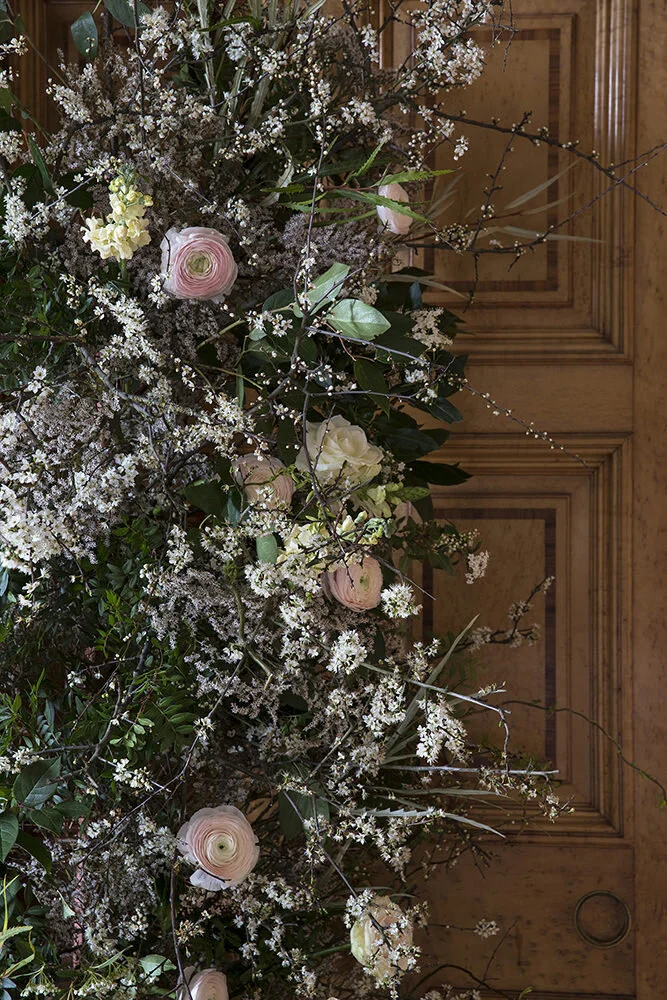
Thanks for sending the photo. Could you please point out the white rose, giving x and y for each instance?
(207, 985)
(263, 480)
(337, 448)
(392, 220)
(222, 843)
(381, 937)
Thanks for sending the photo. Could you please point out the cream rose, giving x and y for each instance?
(392, 220)
(357, 586)
(380, 937)
(338, 448)
(206, 985)
(222, 843)
(197, 264)
(264, 480)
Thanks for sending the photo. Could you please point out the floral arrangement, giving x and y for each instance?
(227, 759)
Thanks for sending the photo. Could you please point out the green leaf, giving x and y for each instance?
(9, 829)
(35, 848)
(73, 809)
(207, 497)
(234, 506)
(412, 175)
(7, 99)
(370, 376)
(84, 34)
(444, 410)
(356, 319)
(267, 548)
(155, 965)
(279, 300)
(366, 166)
(294, 808)
(35, 784)
(327, 287)
(377, 199)
(38, 160)
(123, 11)
(402, 347)
(48, 819)
(439, 473)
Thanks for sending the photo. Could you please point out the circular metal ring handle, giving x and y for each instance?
(586, 935)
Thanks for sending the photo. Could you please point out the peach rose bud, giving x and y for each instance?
(263, 480)
(197, 264)
(206, 985)
(357, 586)
(222, 844)
(389, 217)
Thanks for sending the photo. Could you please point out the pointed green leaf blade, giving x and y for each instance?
(357, 319)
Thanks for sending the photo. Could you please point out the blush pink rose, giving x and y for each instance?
(357, 586)
(264, 480)
(206, 985)
(197, 264)
(221, 842)
(392, 220)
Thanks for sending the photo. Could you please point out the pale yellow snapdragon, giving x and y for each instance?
(126, 228)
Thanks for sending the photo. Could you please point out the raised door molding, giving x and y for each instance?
(569, 301)
(543, 513)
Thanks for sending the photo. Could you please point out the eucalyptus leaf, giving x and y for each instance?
(84, 35)
(267, 548)
(124, 11)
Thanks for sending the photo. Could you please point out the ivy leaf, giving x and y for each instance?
(35, 784)
(267, 548)
(9, 829)
(84, 35)
(357, 319)
(124, 11)
(440, 473)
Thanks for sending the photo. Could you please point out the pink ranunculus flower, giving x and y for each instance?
(197, 264)
(357, 586)
(392, 220)
(221, 842)
(264, 480)
(206, 985)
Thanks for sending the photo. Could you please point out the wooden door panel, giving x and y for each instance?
(552, 338)
(573, 67)
(542, 514)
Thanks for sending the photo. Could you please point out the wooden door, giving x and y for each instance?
(572, 338)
